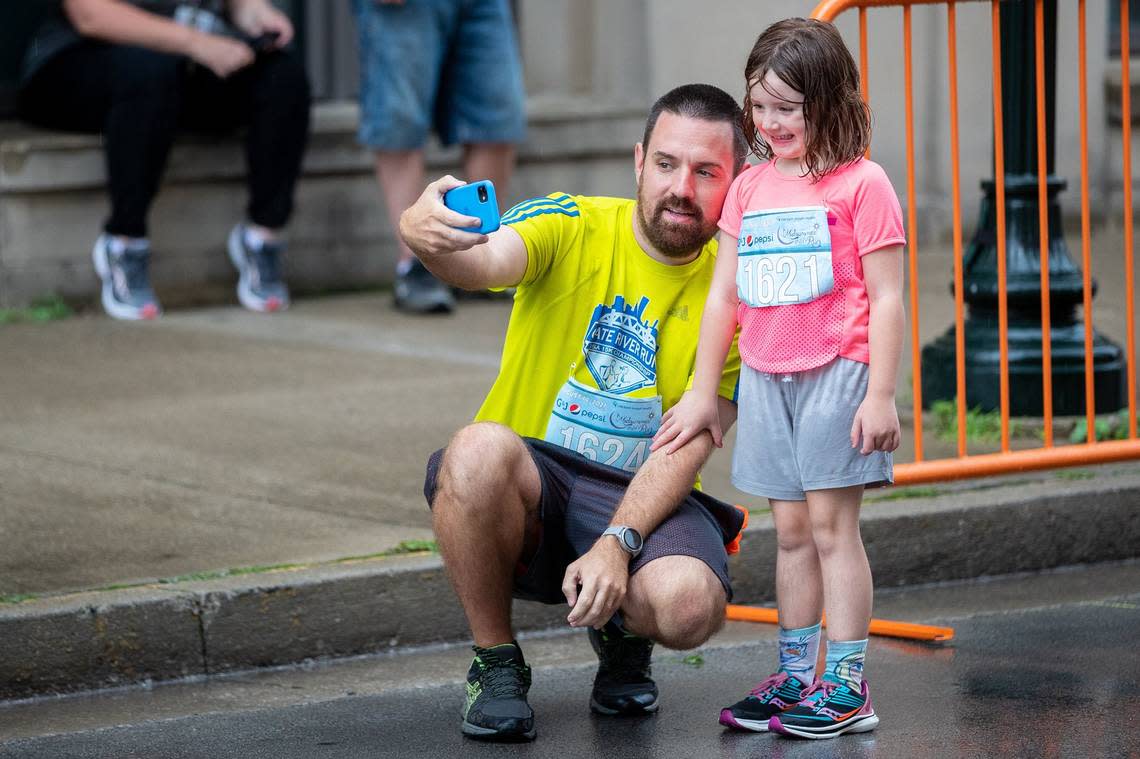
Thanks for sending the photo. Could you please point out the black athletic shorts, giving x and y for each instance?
(579, 497)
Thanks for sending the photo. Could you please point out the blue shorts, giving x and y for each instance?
(451, 65)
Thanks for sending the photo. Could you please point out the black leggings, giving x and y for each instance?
(138, 99)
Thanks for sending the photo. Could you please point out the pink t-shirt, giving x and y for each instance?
(863, 215)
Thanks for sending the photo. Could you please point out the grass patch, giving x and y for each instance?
(1073, 474)
(403, 548)
(1118, 605)
(220, 573)
(898, 494)
(981, 426)
(412, 546)
(15, 598)
(694, 660)
(47, 309)
(1114, 427)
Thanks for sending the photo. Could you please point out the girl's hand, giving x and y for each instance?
(221, 55)
(876, 425)
(692, 415)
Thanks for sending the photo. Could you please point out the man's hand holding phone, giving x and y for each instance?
(429, 227)
(478, 201)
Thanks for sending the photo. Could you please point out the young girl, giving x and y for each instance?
(810, 266)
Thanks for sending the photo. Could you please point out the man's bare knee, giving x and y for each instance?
(485, 468)
(480, 453)
(693, 615)
(685, 599)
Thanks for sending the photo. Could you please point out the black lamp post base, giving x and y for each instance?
(983, 369)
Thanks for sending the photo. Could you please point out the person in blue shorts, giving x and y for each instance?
(451, 66)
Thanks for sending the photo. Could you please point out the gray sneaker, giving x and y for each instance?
(126, 283)
(260, 287)
(419, 292)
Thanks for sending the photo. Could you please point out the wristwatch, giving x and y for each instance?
(628, 538)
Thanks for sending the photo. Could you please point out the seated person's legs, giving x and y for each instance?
(133, 97)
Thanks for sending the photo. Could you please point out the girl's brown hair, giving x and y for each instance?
(811, 58)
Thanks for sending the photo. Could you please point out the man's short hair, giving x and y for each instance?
(702, 101)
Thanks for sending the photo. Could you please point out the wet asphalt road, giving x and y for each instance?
(1053, 681)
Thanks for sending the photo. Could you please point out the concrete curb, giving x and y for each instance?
(118, 637)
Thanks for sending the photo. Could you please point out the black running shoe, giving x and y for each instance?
(497, 684)
(623, 684)
(775, 694)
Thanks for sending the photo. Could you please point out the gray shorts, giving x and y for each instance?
(793, 432)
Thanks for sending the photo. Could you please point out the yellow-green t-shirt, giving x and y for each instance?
(595, 309)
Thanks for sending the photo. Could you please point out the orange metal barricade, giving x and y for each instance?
(1048, 455)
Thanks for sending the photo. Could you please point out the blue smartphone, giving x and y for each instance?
(476, 199)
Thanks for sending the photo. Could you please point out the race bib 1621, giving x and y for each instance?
(784, 257)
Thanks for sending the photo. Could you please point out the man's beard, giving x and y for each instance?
(674, 240)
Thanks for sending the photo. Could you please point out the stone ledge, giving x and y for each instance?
(37, 160)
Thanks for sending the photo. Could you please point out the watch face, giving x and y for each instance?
(632, 539)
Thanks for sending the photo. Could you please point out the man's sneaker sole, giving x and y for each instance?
(755, 725)
(862, 724)
(597, 708)
(499, 736)
(248, 300)
(111, 306)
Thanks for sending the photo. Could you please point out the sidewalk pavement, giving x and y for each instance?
(220, 490)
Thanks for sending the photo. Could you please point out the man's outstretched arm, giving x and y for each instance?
(459, 257)
(595, 585)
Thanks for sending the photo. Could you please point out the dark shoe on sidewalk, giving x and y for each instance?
(417, 291)
(126, 292)
(497, 683)
(623, 684)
